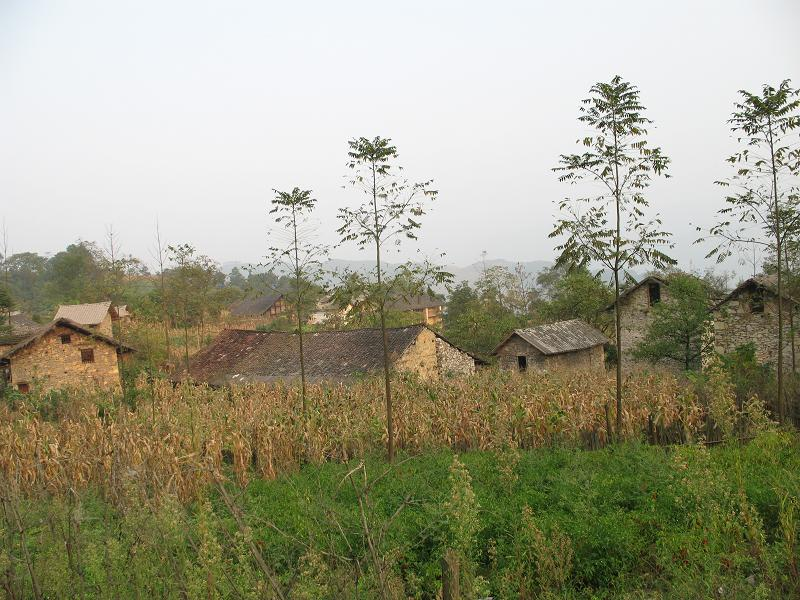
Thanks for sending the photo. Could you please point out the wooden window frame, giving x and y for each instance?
(87, 355)
(66, 338)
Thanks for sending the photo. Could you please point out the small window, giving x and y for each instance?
(522, 363)
(24, 388)
(654, 291)
(757, 301)
(66, 339)
(87, 355)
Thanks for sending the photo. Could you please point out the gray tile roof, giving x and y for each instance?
(560, 337)
(21, 327)
(239, 356)
(253, 307)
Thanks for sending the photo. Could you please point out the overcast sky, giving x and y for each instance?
(118, 113)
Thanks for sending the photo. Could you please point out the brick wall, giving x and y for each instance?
(735, 324)
(53, 364)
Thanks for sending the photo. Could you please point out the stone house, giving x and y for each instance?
(570, 345)
(636, 310)
(749, 314)
(239, 356)
(98, 316)
(428, 308)
(64, 353)
(261, 310)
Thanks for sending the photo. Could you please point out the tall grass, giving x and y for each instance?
(172, 439)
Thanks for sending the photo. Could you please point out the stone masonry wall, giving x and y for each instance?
(637, 314)
(105, 327)
(451, 361)
(507, 354)
(735, 324)
(52, 364)
(420, 357)
(591, 358)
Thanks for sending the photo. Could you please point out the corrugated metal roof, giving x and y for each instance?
(561, 337)
(84, 314)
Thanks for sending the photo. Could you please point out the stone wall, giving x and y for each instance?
(590, 358)
(53, 364)
(420, 357)
(452, 361)
(515, 346)
(593, 359)
(637, 314)
(735, 324)
(105, 327)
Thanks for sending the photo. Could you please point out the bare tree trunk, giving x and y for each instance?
(617, 315)
(791, 316)
(382, 309)
(778, 251)
(299, 302)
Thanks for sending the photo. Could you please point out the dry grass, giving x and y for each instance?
(176, 437)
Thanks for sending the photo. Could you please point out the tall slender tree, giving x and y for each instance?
(294, 253)
(762, 206)
(391, 211)
(608, 228)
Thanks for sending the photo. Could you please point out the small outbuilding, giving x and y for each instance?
(570, 344)
(261, 310)
(239, 356)
(64, 353)
(97, 316)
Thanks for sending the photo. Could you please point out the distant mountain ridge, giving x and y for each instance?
(469, 273)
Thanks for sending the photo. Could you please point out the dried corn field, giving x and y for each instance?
(175, 439)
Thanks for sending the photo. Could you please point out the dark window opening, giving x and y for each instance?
(654, 291)
(66, 339)
(24, 388)
(522, 363)
(757, 302)
(87, 355)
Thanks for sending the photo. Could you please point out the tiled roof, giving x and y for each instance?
(61, 322)
(560, 337)
(238, 356)
(414, 303)
(22, 326)
(253, 307)
(84, 314)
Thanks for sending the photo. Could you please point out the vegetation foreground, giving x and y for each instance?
(632, 520)
(190, 492)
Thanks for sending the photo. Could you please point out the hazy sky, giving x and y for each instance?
(116, 113)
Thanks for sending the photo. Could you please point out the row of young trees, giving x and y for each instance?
(606, 223)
